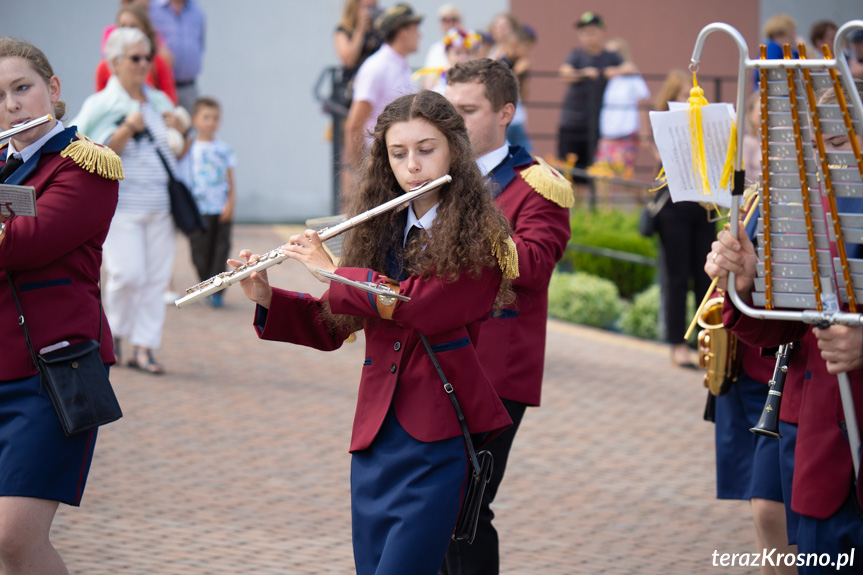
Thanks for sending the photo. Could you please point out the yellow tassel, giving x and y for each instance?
(507, 258)
(94, 157)
(549, 183)
(696, 136)
(662, 179)
(427, 72)
(728, 167)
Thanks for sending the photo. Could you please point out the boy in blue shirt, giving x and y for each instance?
(212, 164)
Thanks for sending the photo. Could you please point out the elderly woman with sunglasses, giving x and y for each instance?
(133, 119)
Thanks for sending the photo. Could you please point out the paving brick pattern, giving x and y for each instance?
(236, 460)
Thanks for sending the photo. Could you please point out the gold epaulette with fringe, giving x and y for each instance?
(94, 157)
(507, 258)
(549, 183)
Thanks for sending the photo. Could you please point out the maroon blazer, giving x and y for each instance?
(512, 346)
(823, 470)
(397, 370)
(54, 258)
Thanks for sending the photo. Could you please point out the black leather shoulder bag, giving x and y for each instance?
(482, 463)
(75, 378)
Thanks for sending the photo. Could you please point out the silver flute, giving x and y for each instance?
(273, 257)
(15, 130)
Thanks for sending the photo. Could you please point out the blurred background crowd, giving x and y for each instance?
(281, 80)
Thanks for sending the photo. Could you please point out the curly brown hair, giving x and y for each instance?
(468, 224)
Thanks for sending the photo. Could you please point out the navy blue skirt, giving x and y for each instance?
(405, 500)
(747, 465)
(36, 458)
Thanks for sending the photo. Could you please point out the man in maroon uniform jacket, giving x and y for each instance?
(536, 200)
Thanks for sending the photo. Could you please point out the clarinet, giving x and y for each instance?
(768, 424)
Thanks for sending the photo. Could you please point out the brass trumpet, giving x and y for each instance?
(717, 349)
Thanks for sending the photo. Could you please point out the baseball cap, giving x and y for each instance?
(589, 19)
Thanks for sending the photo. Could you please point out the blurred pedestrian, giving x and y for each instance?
(823, 33)
(449, 17)
(211, 162)
(619, 122)
(517, 48)
(53, 261)
(183, 25)
(685, 236)
(780, 29)
(161, 76)
(586, 71)
(500, 28)
(355, 40)
(133, 119)
(461, 46)
(382, 78)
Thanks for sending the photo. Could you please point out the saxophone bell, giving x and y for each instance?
(717, 349)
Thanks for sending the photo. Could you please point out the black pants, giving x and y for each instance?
(685, 236)
(481, 556)
(210, 249)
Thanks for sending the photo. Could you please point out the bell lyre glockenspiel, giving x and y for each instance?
(809, 231)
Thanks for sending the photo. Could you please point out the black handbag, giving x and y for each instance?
(647, 219)
(482, 463)
(76, 380)
(184, 208)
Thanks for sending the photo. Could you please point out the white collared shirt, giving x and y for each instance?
(28, 152)
(424, 222)
(491, 160)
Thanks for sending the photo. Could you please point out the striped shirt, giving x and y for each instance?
(145, 187)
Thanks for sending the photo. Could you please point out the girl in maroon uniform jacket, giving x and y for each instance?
(409, 461)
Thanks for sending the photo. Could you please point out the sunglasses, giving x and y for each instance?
(450, 20)
(137, 58)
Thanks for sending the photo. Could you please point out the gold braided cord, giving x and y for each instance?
(94, 157)
(804, 184)
(549, 183)
(765, 186)
(828, 182)
(507, 258)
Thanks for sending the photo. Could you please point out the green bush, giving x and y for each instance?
(584, 299)
(641, 318)
(616, 230)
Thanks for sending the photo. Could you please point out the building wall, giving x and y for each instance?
(262, 61)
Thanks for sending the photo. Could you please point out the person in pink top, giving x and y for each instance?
(161, 76)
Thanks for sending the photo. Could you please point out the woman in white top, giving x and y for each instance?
(132, 118)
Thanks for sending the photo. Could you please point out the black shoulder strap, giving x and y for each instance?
(447, 386)
(23, 324)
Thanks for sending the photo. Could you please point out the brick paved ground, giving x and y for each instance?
(236, 461)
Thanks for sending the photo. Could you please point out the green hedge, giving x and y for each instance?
(616, 230)
(641, 318)
(584, 299)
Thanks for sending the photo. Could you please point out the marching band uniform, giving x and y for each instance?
(536, 201)
(409, 461)
(823, 472)
(750, 465)
(54, 261)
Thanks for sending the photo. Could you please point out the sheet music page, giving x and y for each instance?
(17, 201)
(671, 134)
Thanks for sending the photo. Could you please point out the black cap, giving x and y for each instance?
(396, 17)
(857, 36)
(589, 19)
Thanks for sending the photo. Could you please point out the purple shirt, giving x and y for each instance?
(184, 35)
